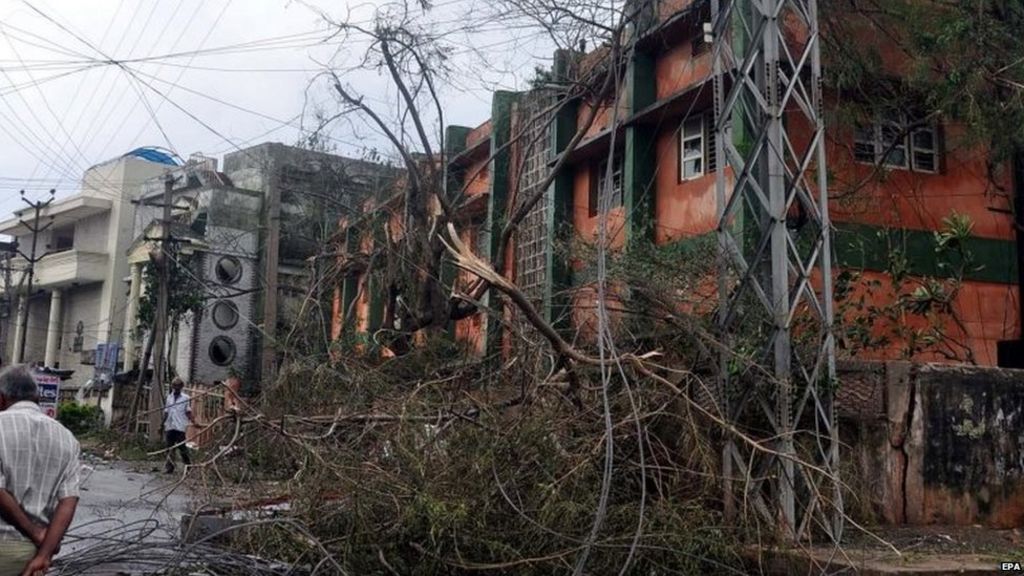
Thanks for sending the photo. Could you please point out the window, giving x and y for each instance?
(925, 143)
(599, 182)
(225, 314)
(228, 270)
(887, 143)
(222, 350)
(63, 239)
(697, 148)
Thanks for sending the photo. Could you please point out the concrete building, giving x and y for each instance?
(663, 196)
(223, 234)
(77, 298)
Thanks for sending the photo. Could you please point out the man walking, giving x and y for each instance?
(39, 476)
(177, 415)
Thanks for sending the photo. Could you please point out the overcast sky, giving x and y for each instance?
(207, 76)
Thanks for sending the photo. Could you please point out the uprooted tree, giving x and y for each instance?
(600, 454)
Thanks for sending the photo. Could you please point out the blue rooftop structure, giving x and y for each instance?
(155, 154)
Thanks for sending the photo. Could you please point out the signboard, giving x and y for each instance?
(49, 393)
(106, 356)
(106, 364)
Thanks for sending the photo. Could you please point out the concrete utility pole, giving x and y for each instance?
(269, 355)
(21, 329)
(7, 251)
(775, 264)
(160, 258)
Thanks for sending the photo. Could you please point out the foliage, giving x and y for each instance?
(185, 291)
(964, 61)
(80, 418)
(913, 313)
(512, 484)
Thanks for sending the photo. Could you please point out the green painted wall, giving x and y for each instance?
(497, 201)
(560, 217)
(639, 163)
(867, 247)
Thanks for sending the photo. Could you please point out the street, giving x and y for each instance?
(125, 523)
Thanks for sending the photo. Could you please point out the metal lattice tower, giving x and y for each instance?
(775, 315)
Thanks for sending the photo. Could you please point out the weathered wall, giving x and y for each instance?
(934, 444)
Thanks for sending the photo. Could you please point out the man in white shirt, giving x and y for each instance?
(39, 477)
(177, 415)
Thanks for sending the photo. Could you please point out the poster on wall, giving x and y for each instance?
(107, 354)
(49, 393)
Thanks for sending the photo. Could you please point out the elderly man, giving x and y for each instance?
(177, 415)
(38, 477)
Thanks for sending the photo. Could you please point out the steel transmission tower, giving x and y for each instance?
(775, 284)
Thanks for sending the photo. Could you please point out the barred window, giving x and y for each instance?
(697, 155)
(888, 142)
(599, 181)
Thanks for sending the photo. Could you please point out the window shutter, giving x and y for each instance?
(711, 151)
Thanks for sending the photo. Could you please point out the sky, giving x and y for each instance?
(82, 82)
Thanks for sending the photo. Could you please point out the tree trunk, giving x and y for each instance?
(132, 423)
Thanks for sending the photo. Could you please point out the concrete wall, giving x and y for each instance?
(81, 304)
(92, 233)
(934, 444)
(204, 370)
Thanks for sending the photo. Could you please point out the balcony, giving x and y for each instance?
(65, 212)
(61, 269)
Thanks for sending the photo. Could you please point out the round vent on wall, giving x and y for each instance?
(222, 350)
(228, 270)
(225, 314)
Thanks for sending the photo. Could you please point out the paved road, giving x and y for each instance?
(120, 512)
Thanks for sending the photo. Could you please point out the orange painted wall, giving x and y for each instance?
(604, 115)
(986, 312)
(668, 8)
(478, 134)
(478, 177)
(586, 226)
(681, 209)
(676, 69)
(916, 200)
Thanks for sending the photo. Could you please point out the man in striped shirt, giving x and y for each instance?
(39, 476)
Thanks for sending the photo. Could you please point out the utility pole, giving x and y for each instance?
(7, 250)
(22, 321)
(160, 258)
(269, 354)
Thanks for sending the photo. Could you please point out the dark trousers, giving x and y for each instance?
(177, 437)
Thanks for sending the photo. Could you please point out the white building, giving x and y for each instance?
(78, 295)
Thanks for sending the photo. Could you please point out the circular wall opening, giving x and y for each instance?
(228, 270)
(225, 314)
(222, 350)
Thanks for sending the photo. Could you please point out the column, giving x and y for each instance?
(134, 294)
(19, 330)
(639, 162)
(53, 330)
(497, 205)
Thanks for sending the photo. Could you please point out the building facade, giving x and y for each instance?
(239, 233)
(77, 299)
(898, 186)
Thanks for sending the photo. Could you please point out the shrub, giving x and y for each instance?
(80, 418)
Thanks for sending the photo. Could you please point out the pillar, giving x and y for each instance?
(19, 329)
(134, 294)
(53, 330)
(497, 204)
(639, 162)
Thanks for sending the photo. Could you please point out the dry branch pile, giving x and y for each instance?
(425, 465)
